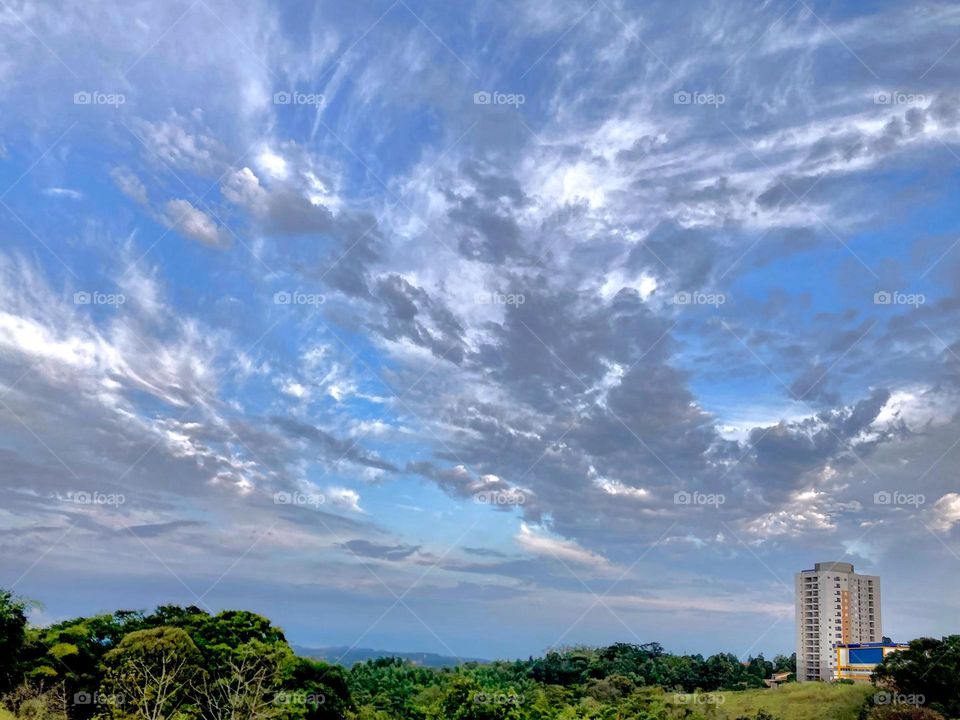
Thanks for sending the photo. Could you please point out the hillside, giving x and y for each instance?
(347, 656)
(803, 701)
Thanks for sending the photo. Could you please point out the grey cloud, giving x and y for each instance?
(681, 256)
(783, 454)
(366, 548)
(785, 192)
(411, 313)
(165, 528)
(484, 552)
(812, 385)
(280, 209)
(334, 449)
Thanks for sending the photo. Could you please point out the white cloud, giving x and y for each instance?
(344, 498)
(60, 192)
(242, 187)
(273, 164)
(182, 147)
(181, 215)
(615, 487)
(294, 389)
(129, 184)
(533, 539)
(806, 511)
(946, 512)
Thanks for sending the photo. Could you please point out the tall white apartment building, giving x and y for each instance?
(834, 606)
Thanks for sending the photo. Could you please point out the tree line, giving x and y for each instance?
(184, 663)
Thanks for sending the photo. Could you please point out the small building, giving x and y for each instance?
(856, 661)
(777, 679)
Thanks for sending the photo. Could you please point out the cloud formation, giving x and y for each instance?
(688, 310)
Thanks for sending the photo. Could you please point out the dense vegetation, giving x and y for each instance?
(172, 663)
(928, 669)
(179, 663)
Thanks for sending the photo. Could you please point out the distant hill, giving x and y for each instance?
(347, 656)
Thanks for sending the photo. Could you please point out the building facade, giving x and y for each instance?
(858, 660)
(835, 606)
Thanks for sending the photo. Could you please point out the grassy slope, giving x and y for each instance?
(798, 701)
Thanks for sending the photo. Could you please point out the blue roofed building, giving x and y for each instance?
(856, 661)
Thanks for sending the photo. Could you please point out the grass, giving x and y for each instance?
(797, 701)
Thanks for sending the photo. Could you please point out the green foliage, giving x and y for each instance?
(322, 691)
(797, 701)
(32, 703)
(761, 715)
(149, 673)
(928, 668)
(13, 626)
(182, 663)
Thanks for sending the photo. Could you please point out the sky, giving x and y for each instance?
(481, 328)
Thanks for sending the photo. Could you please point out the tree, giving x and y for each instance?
(465, 699)
(244, 686)
(35, 703)
(928, 668)
(13, 628)
(782, 663)
(148, 674)
(322, 692)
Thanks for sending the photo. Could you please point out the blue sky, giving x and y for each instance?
(405, 323)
